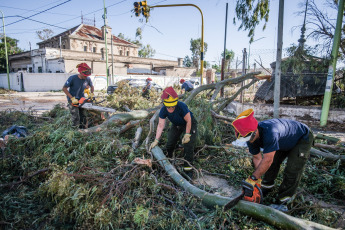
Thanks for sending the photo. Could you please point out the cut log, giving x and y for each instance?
(117, 119)
(327, 156)
(129, 125)
(257, 211)
(334, 147)
(137, 137)
(328, 138)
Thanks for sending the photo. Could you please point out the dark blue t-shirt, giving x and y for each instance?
(278, 134)
(148, 85)
(177, 117)
(76, 86)
(187, 85)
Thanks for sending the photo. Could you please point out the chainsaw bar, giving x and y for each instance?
(233, 202)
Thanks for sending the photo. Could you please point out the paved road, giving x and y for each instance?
(38, 101)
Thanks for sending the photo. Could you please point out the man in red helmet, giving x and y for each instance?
(183, 121)
(186, 85)
(77, 84)
(278, 139)
(147, 88)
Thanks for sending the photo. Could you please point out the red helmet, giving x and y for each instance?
(148, 79)
(182, 81)
(245, 123)
(84, 69)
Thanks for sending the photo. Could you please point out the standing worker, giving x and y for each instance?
(186, 85)
(77, 84)
(183, 121)
(279, 139)
(147, 88)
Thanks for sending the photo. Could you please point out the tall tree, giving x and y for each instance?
(321, 25)
(250, 13)
(147, 51)
(44, 34)
(195, 47)
(187, 62)
(12, 48)
(229, 57)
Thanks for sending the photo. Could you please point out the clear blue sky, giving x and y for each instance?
(168, 31)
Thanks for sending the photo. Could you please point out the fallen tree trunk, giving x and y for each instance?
(327, 156)
(257, 211)
(334, 147)
(137, 137)
(118, 119)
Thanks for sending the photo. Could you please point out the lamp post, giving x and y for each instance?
(249, 49)
(106, 41)
(8, 75)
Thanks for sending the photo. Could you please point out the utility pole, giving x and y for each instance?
(278, 61)
(8, 72)
(243, 73)
(332, 66)
(106, 41)
(112, 61)
(223, 60)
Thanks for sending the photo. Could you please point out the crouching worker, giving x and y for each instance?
(77, 84)
(183, 121)
(279, 139)
(147, 88)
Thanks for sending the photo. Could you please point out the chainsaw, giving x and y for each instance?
(87, 103)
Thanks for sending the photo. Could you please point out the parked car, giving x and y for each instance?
(136, 83)
(195, 82)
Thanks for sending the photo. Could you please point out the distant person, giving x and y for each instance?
(182, 121)
(186, 85)
(77, 84)
(147, 88)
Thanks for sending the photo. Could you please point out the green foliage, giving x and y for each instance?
(12, 48)
(146, 51)
(187, 61)
(195, 47)
(229, 57)
(250, 13)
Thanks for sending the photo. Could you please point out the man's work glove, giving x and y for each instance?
(252, 190)
(74, 101)
(186, 138)
(154, 144)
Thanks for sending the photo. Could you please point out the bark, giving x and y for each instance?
(328, 138)
(327, 156)
(215, 115)
(117, 119)
(334, 147)
(137, 137)
(129, 125)
(257, 211)
(25, 178)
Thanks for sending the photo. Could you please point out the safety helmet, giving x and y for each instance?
(84, 69)
(182, 81)
(169, 97)
(148, 79)
(245, 123)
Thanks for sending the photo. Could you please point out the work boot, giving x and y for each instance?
(266, 187)
(281, 204)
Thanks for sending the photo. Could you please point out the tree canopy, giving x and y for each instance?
(44, 34)
(12, 48)
(195, 47)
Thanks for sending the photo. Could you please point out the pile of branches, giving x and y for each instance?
(59, 177)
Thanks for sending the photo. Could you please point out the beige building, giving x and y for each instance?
(85, 43)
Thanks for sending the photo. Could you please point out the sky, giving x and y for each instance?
(169, 30)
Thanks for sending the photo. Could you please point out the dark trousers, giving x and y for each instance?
(78, 116)
(174, 135)
(146, 93)
(296, 159)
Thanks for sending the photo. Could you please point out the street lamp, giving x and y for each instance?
(8, 75)
(249, 49)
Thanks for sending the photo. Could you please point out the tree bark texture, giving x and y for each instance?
(257, 211)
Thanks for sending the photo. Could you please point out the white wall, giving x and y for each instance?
(43, 82)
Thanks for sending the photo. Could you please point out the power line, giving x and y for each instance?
(39, 22)
(38, 13)
(32, 11)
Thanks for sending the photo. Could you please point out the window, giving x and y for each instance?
(85, 48)
(102, 52)
(40, 69)
(94, 49)
(30, 69)
(63, 46)
(127, 53)
(120, 52)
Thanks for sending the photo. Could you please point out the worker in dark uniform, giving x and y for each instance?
(74, 89)
(147, 88)
(186, 85)
(279, 139)
(183, 121)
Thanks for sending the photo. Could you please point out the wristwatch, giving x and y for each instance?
(253, 177)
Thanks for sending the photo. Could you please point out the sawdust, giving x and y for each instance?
(220, 185)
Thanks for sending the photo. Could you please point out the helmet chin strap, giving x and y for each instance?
(244, 139)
